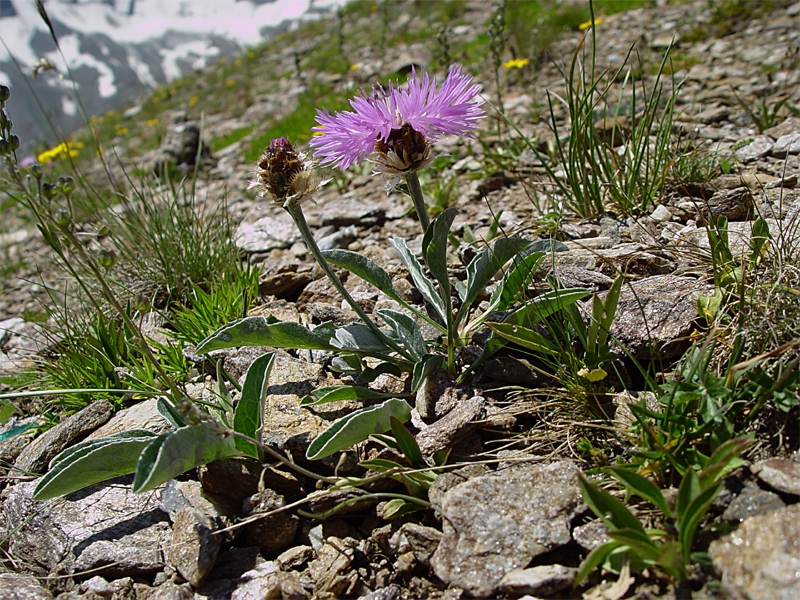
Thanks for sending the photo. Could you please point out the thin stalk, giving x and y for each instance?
(294, 210)
(417, 198)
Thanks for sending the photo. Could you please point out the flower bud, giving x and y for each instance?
(66, 185)
(13, 142)
(49, 190)
(62, 218)
(4, 93)
(5, 147)
(141, 303)
(36, 170)
(107, 259)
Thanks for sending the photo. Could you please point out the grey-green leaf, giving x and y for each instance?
(406, 330)
(257, 331)
(357, 427)
(421, 282)
(365, 268)
(175, 452)
(92, 463)
(358, 338)
(434, 248)
(248, 418)
(334, 393)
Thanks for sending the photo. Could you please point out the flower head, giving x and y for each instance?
(284, 174)
(380, 122)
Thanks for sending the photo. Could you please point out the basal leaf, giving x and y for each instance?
(642, 487)
(257, 331)
(171, 416)
(406, 330)
(358, 338)
(367, 269)
(522, 336)
(92, 463)
(357, 426)
(610, 510)
(248, 418)
(431, 363)
(435, 250)
(407, 444)
(692, 515)
(594, 559)
(175, 452)
(421, 282)
(342, 392)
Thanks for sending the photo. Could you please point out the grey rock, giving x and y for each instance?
(623, 416)
(607, 260)
(233, 563)
(106, 528)
(653, 322)
(14, 586)
(339, 238)
(267, 233)
(543, 580)
(194, 546)
(786, 144)
(502, 521)
(782, 474)
(348, 210)
(260, 583)
(514, 370)
(272, 533)
(752, 501)
(734, 205)
(292, 586)
(169, 591)
(180, 145)
(785, 127)
(12, 447)
(760, 147)
(592, 535)
(661, 214)
(43, 449)
(422, 540)
(577, 277)
(283, 281)
(447, 481)
(331, 571)
(452, 427)
(761, 559)
(143, 415)
(391, 592)
(295, 557)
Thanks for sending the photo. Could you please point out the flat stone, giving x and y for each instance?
(267, 233)
(273, 533)
(786, 144)
(623, 416)
(194, 547)
(734, 205)
(108, 529)
(543, 580)
(143, 415)
(423, 541)
(761, 559)
(36, 457)
(782, 474)
(760, 147)
(514, 370)
(453, 426)
(592, 535)
(14, 586)
(502, 521)
(332, 571)
(348, 210)
(752, 501)
(260, 583)
(786, 127)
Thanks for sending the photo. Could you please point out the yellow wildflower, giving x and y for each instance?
(193, 100)
(516, 63)
(354, 67)
(229, 82)
(152, 122)
(588, 24)
(122, 131)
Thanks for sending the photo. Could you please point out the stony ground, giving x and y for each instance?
(516, 524)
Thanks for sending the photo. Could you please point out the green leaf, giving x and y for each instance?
(92, 462)
(672, 561)
(527, 338)
(594, 559)
(248, 418)
(15, 431)
(342, 392)
(692, 515)
(430, 363)
(638, 541)
(642, 487)
(407, 444)
(358, 338)
(421, 282)
(723, 460)
(346, 363)
(688, 490)
(367, 269)
(434, 248)
(357, 426)
(166, 410)
(175, 452)
(610, 510)
(369, 375)
(759, 235)
(257, 331)
(485, 265)
(406, 330)
(545, 305)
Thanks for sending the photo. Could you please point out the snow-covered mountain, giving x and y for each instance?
(118, 49)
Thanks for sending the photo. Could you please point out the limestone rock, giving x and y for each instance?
(194, 547)
(267, 233)
(752, 501)
(543, 580)
(273, 533)
(782, 474)
(503, 520)
(22, 587)
(761, 559)
(143, 415)
(453, 426)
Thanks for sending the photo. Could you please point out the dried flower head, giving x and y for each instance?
(394, 128)
(284, 174)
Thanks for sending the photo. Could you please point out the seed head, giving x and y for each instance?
(285, 175)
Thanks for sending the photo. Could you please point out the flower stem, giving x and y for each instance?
(294, 210)
(419, 201)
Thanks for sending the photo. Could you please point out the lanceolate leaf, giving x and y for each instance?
(610, 510)
(406, 330)
(92, 462)
(421, 282)
(358, 338)
(175, 452)
(434, 248)
(365, 268)
(342, 392)
(257, 331)
(522, 336)
(248, 418)
(358, 426)
(642, 487)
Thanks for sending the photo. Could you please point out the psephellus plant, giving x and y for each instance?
(395, 130)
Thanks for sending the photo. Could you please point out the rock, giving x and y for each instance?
(337, 238)
(544, 580)
(267, 233)
(351, 210)
(782, 474)
(502, 521)
(514, 370)
(786, 127)
(734, 205)
(661, 214)
(292, 587)
(12, 447)
(760, 147)
(194, 547)
(623, 416)
(453, 426)
(629, 257)
(592, 535)
(260, 583)
(751, 501)
(283, 281)
(143, 415)
(786, 144)
(761, 559)
(392, 592)
(331, 571)
(15, 586)
(652, 324)
(295, 557)
(36, 457)
(233, 563)
(422, 540)
(272, 533)
(447, 481)
(180, 145)
(108, 529)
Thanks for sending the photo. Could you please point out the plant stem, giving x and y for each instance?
(419, 201)
(294, 210)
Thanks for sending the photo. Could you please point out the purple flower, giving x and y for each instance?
(347, 137)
